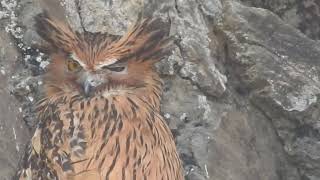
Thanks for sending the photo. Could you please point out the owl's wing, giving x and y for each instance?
(57, 145)
(35, 163)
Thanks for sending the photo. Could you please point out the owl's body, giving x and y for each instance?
(101, 115)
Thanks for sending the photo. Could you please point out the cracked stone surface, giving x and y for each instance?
(241, 92)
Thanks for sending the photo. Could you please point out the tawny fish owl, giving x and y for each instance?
(100, 118)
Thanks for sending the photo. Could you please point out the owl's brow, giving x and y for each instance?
(109, 63)
(76, 58)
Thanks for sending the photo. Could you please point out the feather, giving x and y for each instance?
(147, 40)
(56, 32)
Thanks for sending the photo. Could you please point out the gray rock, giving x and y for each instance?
(13, 132)
(191, 26)
(279, 68)
(302, 14)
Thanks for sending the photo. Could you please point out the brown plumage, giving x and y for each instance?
(101, 118)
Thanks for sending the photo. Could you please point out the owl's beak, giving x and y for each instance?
(87, 88)
(90, 84)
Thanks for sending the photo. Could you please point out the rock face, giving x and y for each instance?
(13, 132)
(302, 14)
(241, 88)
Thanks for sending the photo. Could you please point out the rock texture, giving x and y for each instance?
(278, 69)
(241, 88)
(302, 14)
(13, 132)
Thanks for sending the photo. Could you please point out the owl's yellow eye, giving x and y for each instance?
(73, 65)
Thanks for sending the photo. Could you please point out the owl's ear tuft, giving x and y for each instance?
(57, 33)
(147, 40)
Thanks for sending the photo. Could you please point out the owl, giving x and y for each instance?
(100, 117)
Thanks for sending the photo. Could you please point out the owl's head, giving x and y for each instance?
(92, 63)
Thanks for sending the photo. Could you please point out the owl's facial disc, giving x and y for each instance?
(95, 81)
(92, 78)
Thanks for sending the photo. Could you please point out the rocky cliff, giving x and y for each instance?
(241, 88)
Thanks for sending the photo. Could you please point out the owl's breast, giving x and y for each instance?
(115, 138)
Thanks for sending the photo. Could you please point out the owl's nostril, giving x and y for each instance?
(94, 83)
